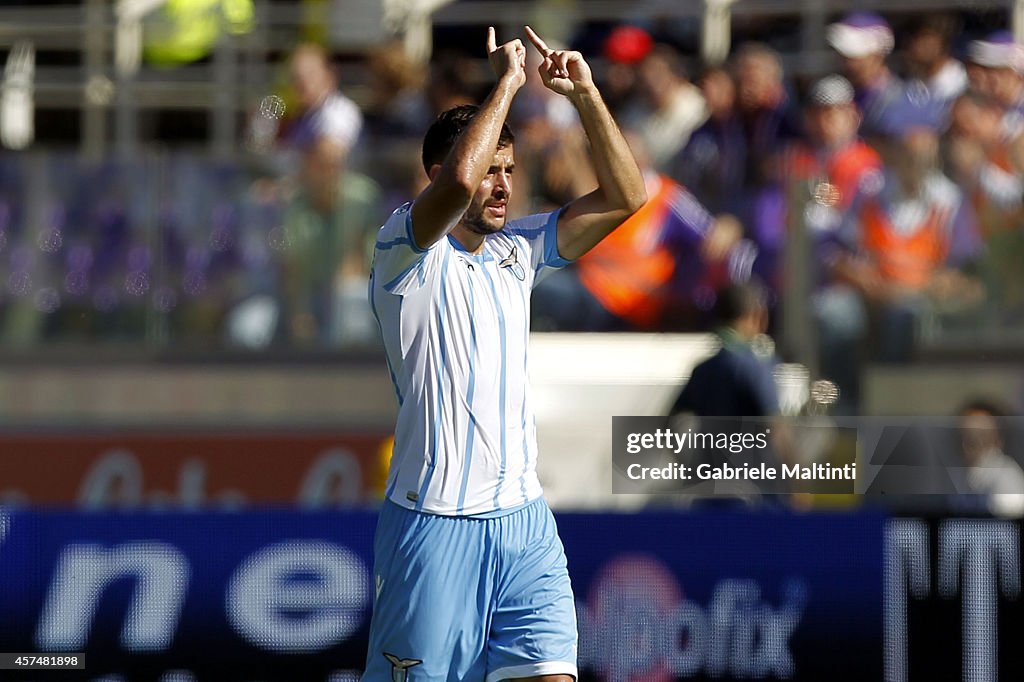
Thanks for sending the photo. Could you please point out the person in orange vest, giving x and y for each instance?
(819, 179)
(660, 269)
(909, 244)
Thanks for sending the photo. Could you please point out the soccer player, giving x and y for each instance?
(471, 579)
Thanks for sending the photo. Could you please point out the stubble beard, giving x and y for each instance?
(477, 223)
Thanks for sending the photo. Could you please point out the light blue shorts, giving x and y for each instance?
(470, 599)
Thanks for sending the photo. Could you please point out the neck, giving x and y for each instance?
(470, 241)
(731, 333)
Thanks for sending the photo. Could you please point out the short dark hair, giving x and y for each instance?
(738, 300)
(672, 59)
(945, 26)
(447, 127)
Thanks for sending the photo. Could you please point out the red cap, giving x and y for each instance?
(627, 45)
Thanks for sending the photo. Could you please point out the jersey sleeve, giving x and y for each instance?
(539, 235)
(399, 265)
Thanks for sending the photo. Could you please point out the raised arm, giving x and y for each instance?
(620, 192)
(452, 184)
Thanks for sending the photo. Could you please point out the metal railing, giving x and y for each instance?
(239, 72)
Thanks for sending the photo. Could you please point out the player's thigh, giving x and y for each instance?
(533, 627)
(429, 618)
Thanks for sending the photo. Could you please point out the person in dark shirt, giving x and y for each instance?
(713, 164)
(733, 393)
(864, 40)
(735, 382)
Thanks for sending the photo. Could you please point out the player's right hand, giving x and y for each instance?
(507, 60)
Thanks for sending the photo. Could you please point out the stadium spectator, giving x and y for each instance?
(447, 85)
(660, 269)
(624, 48)
(864, 40)
(820, 178)
(538, 105)
(670, 107)
(713, 163)
(551, 148)
(769, 119)
(997, 69)
(723, 164)
(909, 238)
(990, 169)
(734, 392)
(397, 111)
(322, 110)
(329, 242)
(397, 106)
(735, 382)
(936, 79)
(990, 472)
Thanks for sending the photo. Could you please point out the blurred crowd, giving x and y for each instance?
(876, 204)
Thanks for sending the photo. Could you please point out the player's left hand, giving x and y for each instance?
(562, 71)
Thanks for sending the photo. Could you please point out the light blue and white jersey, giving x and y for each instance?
(456, 329)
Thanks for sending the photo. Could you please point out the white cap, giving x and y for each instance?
(860, 35)
(831, 91)
(998, 50)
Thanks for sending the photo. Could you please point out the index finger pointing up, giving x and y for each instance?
(492, 43)
(537, 42)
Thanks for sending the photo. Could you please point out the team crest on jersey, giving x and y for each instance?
(512, 263)
(400, 667)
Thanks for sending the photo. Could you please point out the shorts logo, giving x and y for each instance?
(512, 263)
(400, 667)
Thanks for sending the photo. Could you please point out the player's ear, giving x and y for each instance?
(434, 170)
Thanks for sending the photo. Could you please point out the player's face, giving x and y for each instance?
(486, 213)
